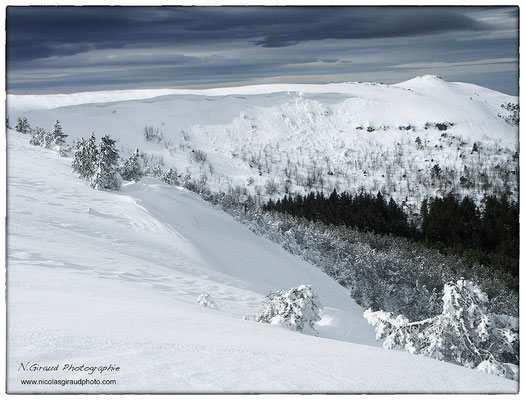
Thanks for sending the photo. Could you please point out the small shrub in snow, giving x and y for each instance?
(186, 136)
(435, 172)
(199, 186)
(38, 137)
(47, 141)
(64, 150)
(464, 333)
(132, 168)
(297, 308)
(152, 134)
(198, 156)
(169, 176)
(505, 370)
(154, 170)
(106, 174)
(22, 126)
(442, 126)
(206, 300)
(271, 187)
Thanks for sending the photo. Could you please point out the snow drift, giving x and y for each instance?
(98, 278)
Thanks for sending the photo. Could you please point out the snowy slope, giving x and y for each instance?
(346, 105)
(342, 106)
(99, 278)
(348, 136)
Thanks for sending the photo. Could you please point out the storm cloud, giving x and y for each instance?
(64, 49)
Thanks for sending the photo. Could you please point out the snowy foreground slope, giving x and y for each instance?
(98, 278)
(274, 139)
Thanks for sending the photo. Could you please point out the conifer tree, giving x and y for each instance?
(435, 172)
(38, 137)
(79, 164)
(464, 333)
(169, 176)
(57, 136)
(47, 140)
(297, 308)
(206, 300)
(85, 157)
(106, 176)
(132, 168)
(22, 126)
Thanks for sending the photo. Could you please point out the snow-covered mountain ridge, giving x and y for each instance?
(97, 277)
(274, 139)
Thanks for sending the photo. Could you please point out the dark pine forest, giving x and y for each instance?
(488, 234)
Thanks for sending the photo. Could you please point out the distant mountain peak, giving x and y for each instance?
(428, 77)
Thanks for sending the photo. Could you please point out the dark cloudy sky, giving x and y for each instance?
(70, 49)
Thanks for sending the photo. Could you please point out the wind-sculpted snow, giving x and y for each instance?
(100, 278)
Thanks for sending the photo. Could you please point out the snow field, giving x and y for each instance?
(98, 277)
(113, 277)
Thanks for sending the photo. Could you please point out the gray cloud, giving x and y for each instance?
(88, 48)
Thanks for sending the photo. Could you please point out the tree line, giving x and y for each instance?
(363, 211)
(488, 233)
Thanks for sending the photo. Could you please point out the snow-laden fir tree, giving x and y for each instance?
(57, 136)
(79, 158)
(64, 150)
(106, 176)
(206, 300)
(464, 333)
(38, 137)
(47, 140)
(85, 158)
(131, 170)
(22, 125)
(154, 170)
(169, 176)
(297, 309)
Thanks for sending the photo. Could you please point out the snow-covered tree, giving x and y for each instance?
(22, 125)
(206, 300)
(106, 174)
(506, 370)
(57, 136)
(464, 333)
(169, 176)
(64, 150)
(297, 308)
(47, 140)
(79, 164)
(154, 170)
(85, 158)
(131, 170)
(38, 137)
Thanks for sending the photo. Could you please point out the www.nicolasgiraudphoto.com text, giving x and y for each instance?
(94, 371)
